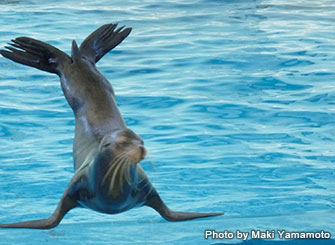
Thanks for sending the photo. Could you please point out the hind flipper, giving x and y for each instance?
(156, 203)
(64, 206)
(35, 53)
(102, 40)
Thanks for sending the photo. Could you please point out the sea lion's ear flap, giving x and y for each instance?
(102, 40)
(75, 53)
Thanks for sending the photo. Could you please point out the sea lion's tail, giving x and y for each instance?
(43, 56)
(35, 53)
(102, 40)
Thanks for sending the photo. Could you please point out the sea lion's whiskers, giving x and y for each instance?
(116, 172)
(114, 163)
(126, 172)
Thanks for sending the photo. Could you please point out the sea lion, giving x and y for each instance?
(106, 154)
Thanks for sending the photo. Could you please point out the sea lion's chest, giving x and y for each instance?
(110, 188)
(111, 202)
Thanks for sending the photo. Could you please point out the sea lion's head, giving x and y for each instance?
(121, 150)
(123, 143)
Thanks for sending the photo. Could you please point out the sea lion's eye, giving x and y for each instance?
(123, 142)
(106, 145)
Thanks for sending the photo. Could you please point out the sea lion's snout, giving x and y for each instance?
(139, 153)
(143, 152)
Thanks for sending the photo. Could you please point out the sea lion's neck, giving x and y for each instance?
(92, 100)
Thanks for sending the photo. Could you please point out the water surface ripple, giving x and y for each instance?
(234, 99)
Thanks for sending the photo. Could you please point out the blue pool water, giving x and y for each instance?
(235, 101)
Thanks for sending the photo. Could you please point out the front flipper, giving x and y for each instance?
(156, 203)
(64, 206)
